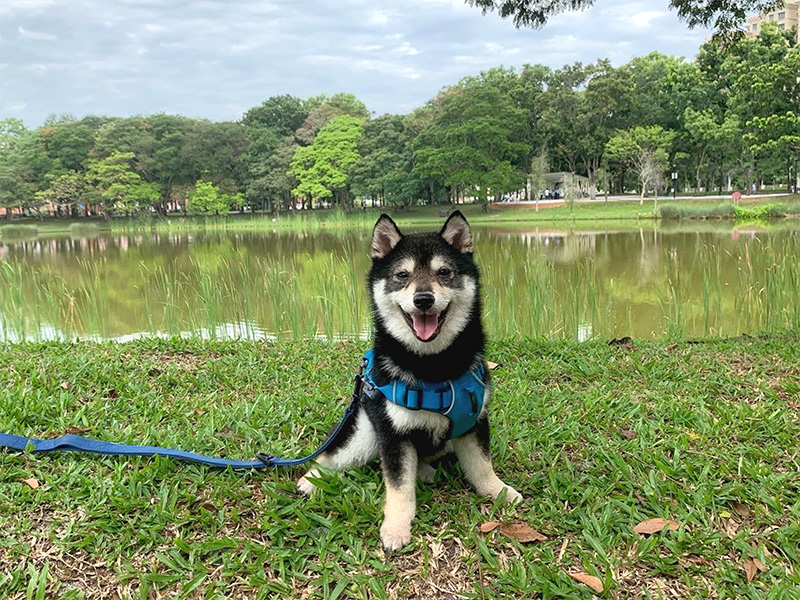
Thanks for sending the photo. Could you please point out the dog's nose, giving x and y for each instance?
(424, 300)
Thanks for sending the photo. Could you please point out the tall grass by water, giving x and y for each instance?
(560, 286)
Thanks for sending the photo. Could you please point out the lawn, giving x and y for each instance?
(598, 438)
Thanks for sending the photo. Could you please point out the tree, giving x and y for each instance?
(472, 145)
(725, 15)
(206, 199)
(326, 109)
(385, 171)
(322, 169)
(214, 152)
(646, 149)
(24, 166)
(270, 177)
(780, 135)
(118, 184)
(65, 191)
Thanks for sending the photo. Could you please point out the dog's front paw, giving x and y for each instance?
(512, 495)
(395, 535)
(304, 484)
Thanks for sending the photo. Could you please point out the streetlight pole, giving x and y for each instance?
(674, 183)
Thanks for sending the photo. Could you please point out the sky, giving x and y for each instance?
(215, 59)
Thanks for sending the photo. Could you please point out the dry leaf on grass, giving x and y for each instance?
(31, 483)
(65, 385)
(627, 434)
(492, 365)
(521, 532)
(590, 580)
(760, 566)
(654, 526)
(670, 348)
(76, 430)
(489, 526)
(741, 509)
(750, 569)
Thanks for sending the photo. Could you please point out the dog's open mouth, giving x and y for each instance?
(425, 326)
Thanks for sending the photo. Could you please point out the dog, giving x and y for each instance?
(426, 306)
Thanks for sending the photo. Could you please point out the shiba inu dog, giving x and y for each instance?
(427, 386)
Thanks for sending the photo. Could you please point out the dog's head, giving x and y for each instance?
(424, 286)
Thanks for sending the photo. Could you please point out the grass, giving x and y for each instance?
(15, 232)
(581, 214)
(714, 426)
(743, 212)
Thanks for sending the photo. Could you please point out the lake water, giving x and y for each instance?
(644, 282)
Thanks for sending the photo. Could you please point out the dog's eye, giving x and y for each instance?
(444, 272)
(402, 275)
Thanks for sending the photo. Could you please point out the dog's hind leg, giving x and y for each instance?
(472, 451)
(355, 446)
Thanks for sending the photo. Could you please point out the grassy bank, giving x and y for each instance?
(597, 438)
(743, 212)
(580, 214)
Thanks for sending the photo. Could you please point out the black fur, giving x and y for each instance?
(468, 346)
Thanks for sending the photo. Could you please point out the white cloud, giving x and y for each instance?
(643, 20)
(407, 49)
(378, 17)
(35, 35)
(10, 7)
(14, 106)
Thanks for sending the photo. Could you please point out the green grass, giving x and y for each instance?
(743, 212)
(716, 426)
(14, 232)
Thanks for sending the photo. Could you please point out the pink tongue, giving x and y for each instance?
(425, 325)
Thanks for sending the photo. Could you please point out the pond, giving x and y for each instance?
(652, 281)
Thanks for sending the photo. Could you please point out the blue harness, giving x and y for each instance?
(460, 400)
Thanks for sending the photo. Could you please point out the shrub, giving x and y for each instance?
(761, 211)
(8, 232)
(670, 212)
(84, 229)
(723, 211)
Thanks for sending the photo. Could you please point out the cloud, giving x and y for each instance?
(210, 58)
(14, 107)
(378, 17)
(35, 35)
(406, 48)
(643, 20)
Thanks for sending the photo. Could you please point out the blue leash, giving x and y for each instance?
(76, 443)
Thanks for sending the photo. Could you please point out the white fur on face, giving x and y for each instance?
(391, 305)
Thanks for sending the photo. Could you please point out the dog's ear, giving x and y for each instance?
(384, 237)
(456, 232)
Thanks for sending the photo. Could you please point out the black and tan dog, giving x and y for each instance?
(428, 362)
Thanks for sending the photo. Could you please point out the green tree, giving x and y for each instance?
(206, 199)
(473, 144)
(65, 191)
(385, 171)
(116, 181)
(24, 166)
(322, 169)
(646, 149)
(778, 135)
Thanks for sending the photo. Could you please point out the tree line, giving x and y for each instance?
(730, 119)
